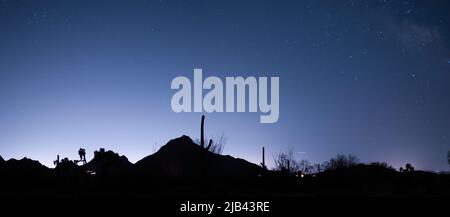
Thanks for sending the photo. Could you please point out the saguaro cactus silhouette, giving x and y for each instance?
(56, 162)
(263, 164)
(202, 135)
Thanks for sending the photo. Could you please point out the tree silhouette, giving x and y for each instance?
(65, 161)
(341, 161)
(408, 168)
(101, 151)
(318, 168)
(285, 162)
(305, 166)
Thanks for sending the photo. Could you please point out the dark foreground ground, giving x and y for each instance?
(344, 192)
(279, 206)
(183, 174)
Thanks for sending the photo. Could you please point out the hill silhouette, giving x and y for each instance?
(184, 168)
(23, 167)
(19, 177)
(182, 157)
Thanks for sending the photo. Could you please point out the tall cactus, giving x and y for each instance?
(209, 145)
(263, 164)
(202, 135)
(56, 162)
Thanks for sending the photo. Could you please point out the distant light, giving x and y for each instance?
(302, 175)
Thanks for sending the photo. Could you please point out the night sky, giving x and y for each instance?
(368, 78)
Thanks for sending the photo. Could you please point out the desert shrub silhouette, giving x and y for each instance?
(341, 161)
(217, 145)
(408, 168)
(285, 162)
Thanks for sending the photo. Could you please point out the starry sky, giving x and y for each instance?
(368, 78)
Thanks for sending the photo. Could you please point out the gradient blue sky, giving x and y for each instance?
(368, 78)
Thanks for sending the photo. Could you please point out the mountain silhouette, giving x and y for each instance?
(23, 166)
(184, 168)
(182, 157)
(16, 174)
